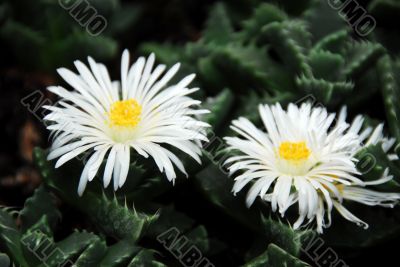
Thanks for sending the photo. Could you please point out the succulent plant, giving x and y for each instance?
(249, 52)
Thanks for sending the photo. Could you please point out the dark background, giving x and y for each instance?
(36, 37)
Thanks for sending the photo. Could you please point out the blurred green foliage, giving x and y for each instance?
(43, 35)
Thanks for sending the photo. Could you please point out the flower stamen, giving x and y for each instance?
(125, 113)
(294, 151)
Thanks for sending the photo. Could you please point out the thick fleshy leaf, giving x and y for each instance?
(41, 203)
(10, 238)
(107, 213)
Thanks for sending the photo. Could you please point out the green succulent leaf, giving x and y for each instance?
(291, 41)
(390, 91)
(120, 254)
(4, 260)
(234, 61)
(334, 42)
(41, 203)
(259, 261)
(92, 254)
(326, 65)
(107, 213)
(219, 107)
(360, 56)
(216, 186)
(145, 258)
(372, 163)
(199, 237)
(70, 248)
(166, 53)
(218, 26)
(169, 217)
(282, 235)
(323, 90)
(263, 15)
(275, 256)
(10, 238)
(279, 257)
(38, 243)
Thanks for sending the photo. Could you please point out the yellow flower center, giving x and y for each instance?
(125, 113)
(340, 187)
(294, 151)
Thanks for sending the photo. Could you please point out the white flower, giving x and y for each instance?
(107, 119)
(356, 193)
(369, 136)
(304, 158)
